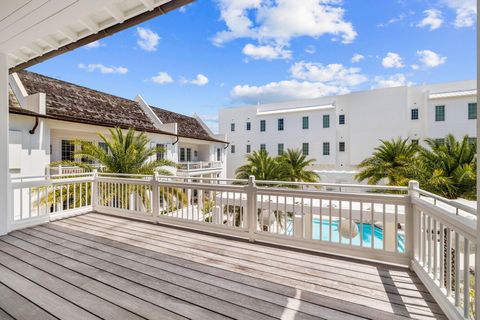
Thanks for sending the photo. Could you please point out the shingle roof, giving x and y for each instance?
(71, 102)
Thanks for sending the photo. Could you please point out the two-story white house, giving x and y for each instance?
(341, 131)
(47, 115)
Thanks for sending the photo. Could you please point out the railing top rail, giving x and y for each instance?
(338, 185)
(452, 203)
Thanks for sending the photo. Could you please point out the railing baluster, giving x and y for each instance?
(449, 262)
(457, 269)
(435, 250)
(429, 233)
(442, 256)
(372, 225)
(466, 278)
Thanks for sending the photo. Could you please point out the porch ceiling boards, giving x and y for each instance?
(97, 266)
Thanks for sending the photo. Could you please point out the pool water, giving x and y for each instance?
(366, 236)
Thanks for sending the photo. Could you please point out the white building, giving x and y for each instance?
(341, 131)
(47, 115)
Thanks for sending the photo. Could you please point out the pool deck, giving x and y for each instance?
(102, 267)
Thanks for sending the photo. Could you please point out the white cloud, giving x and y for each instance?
(396, 80)
(430, 59)
(402, 16)
(200, 80)
(415, 66)
(147, 39)
(333, 74)
(275, 23)
(392, 60)
(310, 49)
(266, 52)
(94, 45)
(283, 90)
(465, 10)
(103, 69)
(433, 19)
(357, 58)
(162, 78)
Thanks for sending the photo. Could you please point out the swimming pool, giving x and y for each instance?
(366, 239)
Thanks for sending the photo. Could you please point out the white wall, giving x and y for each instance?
(374, 115)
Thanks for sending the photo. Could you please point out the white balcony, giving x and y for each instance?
(199, 167)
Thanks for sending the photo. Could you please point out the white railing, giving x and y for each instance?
(68, 170)
(199, 165)
(435, 236)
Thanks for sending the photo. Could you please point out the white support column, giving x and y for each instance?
(5, 199)
(477, 253)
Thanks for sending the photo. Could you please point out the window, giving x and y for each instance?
(472, 111)
(68, 150)
(232, 126)
(232, 148)
(263, 125)
(341, 119)
(195, 153)
(341, 146)
(249, 126)
(415, 141)
(263, 147)
(305, 149)
(439, 113)
(440, 140)
(182, 154)
(189, 154)
(414, 114)
(280, 149)
(305, 123)
(103, 146)
(161, 149)
(219, 154)
(326, 121)
(472, 140)
(326, 148)
(249, 148)
(281, 124)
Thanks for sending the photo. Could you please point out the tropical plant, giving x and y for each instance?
(294, 167)
(260, 165)
(447, 167)
(391, 161)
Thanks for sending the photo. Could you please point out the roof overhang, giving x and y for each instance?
(452, 94)
(32, 31)
(297, 109)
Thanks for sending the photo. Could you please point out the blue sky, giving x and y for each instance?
(220, 53)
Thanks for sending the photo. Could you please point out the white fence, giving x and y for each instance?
(401, 225)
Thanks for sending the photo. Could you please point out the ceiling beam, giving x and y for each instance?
(157, 11)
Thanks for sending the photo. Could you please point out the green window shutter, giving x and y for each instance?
(305, 123)
(326, 121)
(305, 149)
(439, 113)
(472, 111)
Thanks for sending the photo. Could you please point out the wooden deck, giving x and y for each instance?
(102, 267)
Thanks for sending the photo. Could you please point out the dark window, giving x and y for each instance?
(182, 154)
(326, 121)
(68, 150)
(472, 140)
(440, 140)
(249, 126)
(281, 124)
(341, 119)
(249, 148)
(439, 113)
(415, 141)
(263, 125)
(263, 147)
(414, 114)
(103, 146)
(305, 149)
(472, 111)
(189, 154)
(232, 148)
(341, 146)
(305, 123)
(326, 148)
(280, 149)
(232, 126)
(219, 154)
(161, 150)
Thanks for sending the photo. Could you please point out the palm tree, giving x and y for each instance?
(392, 160)
(448, 167)
(260, 165)
(294, 166)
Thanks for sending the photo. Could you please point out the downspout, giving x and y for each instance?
(228, 143)
(34, 127)
(178, 138)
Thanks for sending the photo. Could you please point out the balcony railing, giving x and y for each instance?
(435, 236)
(199, 165)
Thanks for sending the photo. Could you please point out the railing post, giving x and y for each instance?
(411, 232)
(94, 190)
(251, 216)
(155, 196)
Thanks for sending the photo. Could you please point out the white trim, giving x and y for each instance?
(203, 124)
(291, 110)
(149, 112)
(452, 94)
(18, 89)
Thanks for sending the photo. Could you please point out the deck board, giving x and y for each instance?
(98, 266)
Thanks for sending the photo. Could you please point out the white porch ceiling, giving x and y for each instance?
(31, 28)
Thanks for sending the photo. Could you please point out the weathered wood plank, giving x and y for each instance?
(366, 301)
(389, 303)
(216, 287)
(4, 315)
(142, 275)
(19, 307)
(43, 298)
(38, 257)
(87, 301)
